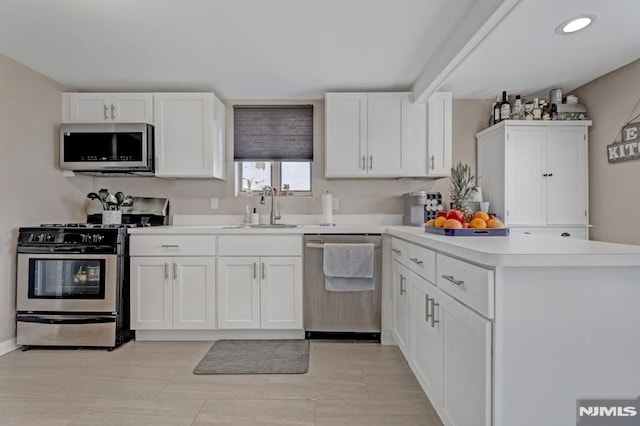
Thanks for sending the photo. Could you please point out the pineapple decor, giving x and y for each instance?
(462, 188)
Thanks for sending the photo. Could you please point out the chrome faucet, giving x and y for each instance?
(274, 216)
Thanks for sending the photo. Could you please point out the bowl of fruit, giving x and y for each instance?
(454, 223)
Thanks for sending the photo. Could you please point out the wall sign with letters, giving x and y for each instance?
(629, 147)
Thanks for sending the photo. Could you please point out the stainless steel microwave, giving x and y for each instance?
(107, 148)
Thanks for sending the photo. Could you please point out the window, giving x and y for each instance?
(273, 146)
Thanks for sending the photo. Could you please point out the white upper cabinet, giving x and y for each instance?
(366, 134)
(535, 173)
(430, 136)
(107, 107)
(189, 135)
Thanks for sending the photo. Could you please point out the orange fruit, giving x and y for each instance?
(482, 215)
(495, 223)
(431, 222)
(440, 221)
(453, 223)
(477, 222)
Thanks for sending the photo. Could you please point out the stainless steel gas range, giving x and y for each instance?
(73, 282)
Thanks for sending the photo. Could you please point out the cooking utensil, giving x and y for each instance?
(112, 202)
(103, 194)
(119, 197)
(94, 196)
(127, 201)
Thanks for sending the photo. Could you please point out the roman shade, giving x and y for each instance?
(273, 132)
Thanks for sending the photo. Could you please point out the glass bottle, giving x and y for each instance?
(505, 107)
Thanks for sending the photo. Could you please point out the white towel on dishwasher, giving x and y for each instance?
(348, 267)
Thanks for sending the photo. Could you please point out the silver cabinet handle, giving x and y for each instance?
(255, 270)
(453, 280)
(169, 246)
(396, 251)
(434, 306)
(371, 162)
(427, 315)
(403, 281)
(364, 162)
(263, 274)
(433, 162)
(106, 112)
(416, 260)
(166, 271)
(113, 111)
(175, 271)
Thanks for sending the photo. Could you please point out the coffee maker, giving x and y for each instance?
(420, 206)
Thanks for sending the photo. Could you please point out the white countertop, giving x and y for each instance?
(512, 251)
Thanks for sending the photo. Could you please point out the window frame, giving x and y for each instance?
(276, 179)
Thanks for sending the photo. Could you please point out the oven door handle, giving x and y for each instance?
(65, 320)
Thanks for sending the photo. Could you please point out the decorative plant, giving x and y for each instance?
(250, 181)
(462, 187)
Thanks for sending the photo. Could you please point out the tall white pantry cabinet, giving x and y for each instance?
(535, 175)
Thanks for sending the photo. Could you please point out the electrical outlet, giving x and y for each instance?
(334, 204)
(214, 204)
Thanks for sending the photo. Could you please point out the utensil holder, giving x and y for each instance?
(111, 217)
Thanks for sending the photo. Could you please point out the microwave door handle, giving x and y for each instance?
(106, 112)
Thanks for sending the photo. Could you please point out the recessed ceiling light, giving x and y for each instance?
(576, 23)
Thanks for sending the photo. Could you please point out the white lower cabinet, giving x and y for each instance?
(173, 282)
(401, 300)
(259, 292)
(172, 293)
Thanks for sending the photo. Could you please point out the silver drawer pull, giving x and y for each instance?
(434, 306)
(396, 251)
(169, 246)
(453, 280)
(166, 271)
(403, 281)
(426, 307)
(175, 271)
(415, 260)
(255, 270)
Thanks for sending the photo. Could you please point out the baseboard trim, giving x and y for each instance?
(8, 346)
(142, 335)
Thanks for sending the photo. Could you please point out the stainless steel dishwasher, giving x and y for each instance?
(336, 313)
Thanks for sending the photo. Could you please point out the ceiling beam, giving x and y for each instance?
(480, 20)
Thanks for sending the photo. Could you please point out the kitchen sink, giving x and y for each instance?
(266, 226)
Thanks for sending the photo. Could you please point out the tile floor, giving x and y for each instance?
(151, 383)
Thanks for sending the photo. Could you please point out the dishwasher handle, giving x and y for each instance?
(321, 246)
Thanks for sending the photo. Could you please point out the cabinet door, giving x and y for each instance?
(89, 107)
(400, 306)
(151, 295)
(131, 108)
(524, 180)
(466, 364)
(193, 292)
(426, 351)
(238, 292)
(567, 180)
(387, 130)
(346, 134)
(281, 292)
(184, 134)
(439, 133)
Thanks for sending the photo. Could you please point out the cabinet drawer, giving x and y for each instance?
(422, 261)
(399, 250)
(579, 232)
(252, 245)
(470, 284)
(172, 245)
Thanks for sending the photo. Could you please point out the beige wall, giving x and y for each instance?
(614, 198)
(356, 196)
(31, 188)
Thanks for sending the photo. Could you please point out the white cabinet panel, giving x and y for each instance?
(151, 293)
(439, 133)
(238, 292)
(281, 292)
(466, 365)
(401, 306)
(387, 122)
(187, 135)
(194, 293)
(346, 134)
(107, 107)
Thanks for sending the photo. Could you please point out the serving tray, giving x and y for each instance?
(468, 232)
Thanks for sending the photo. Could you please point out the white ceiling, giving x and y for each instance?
(299, 49)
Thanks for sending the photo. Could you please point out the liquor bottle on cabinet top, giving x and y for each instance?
(518, 111)
(496, 110)
(505, 107)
